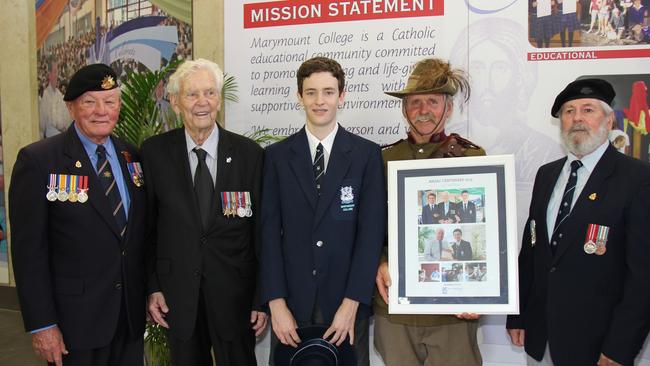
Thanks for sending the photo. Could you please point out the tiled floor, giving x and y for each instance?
(15, 344)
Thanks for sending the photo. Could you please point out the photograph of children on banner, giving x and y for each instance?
(571, 23)
(451, 206)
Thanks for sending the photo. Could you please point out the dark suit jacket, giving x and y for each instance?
(70, 263)
(584, 304)
(449, 214)
(429, 216)
(224, 256)
(466, 216)
(462, 252)
(322, 244)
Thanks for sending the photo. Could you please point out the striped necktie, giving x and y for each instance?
(112, 193)
(319, 166)
(565, 205)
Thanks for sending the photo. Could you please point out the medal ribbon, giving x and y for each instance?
(247, 199)
(83, 183)
(73, 183)
(63, 183)
(591, 233)
(603, 231)
(240, 200)
(224, 203)
(233, 203)
(52, 185)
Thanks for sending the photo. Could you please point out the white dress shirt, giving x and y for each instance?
(210, 147)
(327, 144)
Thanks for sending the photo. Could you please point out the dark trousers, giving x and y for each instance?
(125, 349)
(196, 350)
(361, 342)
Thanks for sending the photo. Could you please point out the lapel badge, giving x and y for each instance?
(593, 196)
(77, 164)
(228, 160)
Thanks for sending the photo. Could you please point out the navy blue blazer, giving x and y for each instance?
(71, 265)
(429, 216)
(329, 244)
(584, 304)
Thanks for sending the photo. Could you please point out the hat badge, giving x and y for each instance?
(108, 82)
(586, 90)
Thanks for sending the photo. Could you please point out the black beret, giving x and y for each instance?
(314, 350)
(95, 77)
(584, 88)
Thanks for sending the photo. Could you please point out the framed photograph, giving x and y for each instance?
(452, 236)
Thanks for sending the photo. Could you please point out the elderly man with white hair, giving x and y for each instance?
(203, 186)
(583, 266)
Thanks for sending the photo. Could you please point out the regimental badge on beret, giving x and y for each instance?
(586, 90)
(108, 82)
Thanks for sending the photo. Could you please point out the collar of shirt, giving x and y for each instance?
(210, 146)
(111, 156)
(589, 162)
(327, 142)
(91, 149)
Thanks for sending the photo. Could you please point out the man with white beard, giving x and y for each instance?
(583, 266)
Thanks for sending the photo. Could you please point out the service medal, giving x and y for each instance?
(62, 196)
(82, 197)
(72, 197)
(590, 247)
(241, 212)
(51, 195)
(136, 180)
(247, 203)
(603, 232)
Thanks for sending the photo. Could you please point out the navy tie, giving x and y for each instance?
(319, 166)
(565, 204)
(111, 191)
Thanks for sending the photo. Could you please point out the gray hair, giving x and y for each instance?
(188, 68)
(606, 108)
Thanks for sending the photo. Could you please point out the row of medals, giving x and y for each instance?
(599, 247)
(63, 196)
(239, 211)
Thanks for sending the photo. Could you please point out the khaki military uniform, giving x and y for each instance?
(407, 340)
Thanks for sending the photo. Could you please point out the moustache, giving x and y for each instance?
(578, 128)
(424, 117)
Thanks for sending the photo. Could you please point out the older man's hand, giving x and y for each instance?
(157, 309)
(49, 345)
(258, 321)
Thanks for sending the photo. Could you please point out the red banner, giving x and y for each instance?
(279, 13)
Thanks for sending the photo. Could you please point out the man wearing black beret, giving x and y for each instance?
(77, 210)
(584, 268)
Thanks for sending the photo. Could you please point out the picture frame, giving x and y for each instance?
(452, 236)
